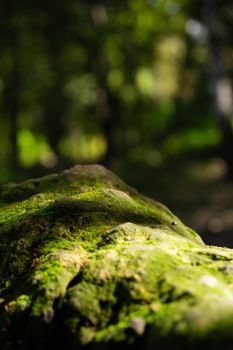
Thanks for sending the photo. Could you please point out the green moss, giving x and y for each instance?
(20, 304)
(85, 256)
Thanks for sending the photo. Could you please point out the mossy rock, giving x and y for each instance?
(87, 262)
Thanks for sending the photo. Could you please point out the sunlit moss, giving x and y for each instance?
(85, 256)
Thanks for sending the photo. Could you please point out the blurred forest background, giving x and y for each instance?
(141, 86)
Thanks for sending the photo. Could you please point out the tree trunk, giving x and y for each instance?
(219, 81)
(55, 102)
(11, 100)
(107, 111)
(107, 105)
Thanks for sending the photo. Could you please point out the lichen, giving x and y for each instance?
(87, 259)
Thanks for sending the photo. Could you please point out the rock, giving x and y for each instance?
(87, 262)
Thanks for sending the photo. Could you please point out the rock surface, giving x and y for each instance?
(87, 262)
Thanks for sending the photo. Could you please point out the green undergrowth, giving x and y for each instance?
(86, 258)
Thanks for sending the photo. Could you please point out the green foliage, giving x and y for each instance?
(86, 77)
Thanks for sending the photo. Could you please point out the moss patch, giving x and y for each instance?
(87, 259)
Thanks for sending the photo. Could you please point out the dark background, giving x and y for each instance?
(143, 87)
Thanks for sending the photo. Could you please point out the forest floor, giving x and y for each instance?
(196, 192)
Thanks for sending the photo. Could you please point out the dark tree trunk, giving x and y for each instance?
(55, 109)
(11, 100)
(107, 104)
(219, 82)
(107, 109)
(55, 104)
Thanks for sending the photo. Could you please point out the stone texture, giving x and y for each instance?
(87, 262)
